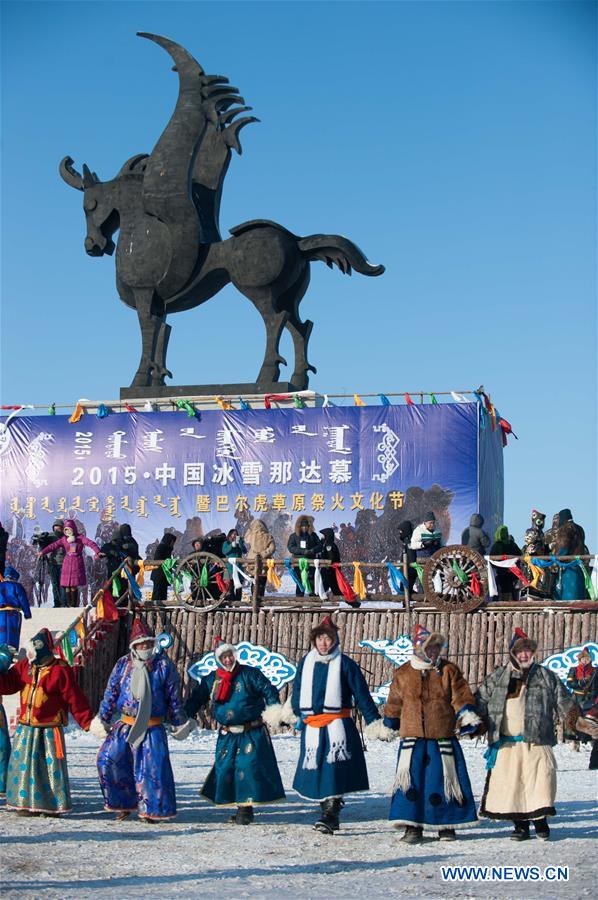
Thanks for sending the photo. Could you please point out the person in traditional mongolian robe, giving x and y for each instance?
(331, 762)
(243, 702)
(133, 761)
(582, 681)
(6, 653)
(429, 700)
(37, 777)
(520, 702)
(14, 606)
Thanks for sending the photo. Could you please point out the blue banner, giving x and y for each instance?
(359, 470)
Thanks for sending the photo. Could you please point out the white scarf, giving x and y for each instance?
(452, 788)
(337, 736)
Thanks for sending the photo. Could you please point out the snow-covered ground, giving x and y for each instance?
(88, 854)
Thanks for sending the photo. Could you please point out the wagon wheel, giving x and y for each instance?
(447, 579)
(201, 581)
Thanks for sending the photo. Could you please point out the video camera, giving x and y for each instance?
(43, 540)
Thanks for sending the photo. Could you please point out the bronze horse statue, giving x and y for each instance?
(170, 255)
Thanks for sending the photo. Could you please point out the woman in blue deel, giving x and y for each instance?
(244, 703)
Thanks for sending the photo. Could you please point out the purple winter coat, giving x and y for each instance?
(73, 567)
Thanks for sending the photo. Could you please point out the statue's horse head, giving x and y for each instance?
(101, 201)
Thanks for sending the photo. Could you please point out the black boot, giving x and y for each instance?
(447, 834)
(413, 835)
(542, 829)
(330, 810)
(521, 831)
(244, 816)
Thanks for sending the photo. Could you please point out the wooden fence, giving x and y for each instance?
(478, 642)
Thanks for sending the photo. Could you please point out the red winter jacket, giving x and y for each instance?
(48, 692)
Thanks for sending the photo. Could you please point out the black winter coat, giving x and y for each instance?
(311, 545)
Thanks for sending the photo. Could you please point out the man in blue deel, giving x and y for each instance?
(244, 703)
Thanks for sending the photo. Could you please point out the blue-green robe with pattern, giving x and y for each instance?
(245, 770)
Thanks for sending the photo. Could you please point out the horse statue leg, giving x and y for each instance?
(158, 367)
(300, 333)
(274, 322)
(154, 341)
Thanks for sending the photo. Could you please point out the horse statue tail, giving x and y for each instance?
(333, 249)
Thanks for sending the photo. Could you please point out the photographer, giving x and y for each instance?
(52, 563)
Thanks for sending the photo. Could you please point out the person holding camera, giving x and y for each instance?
(55, 561)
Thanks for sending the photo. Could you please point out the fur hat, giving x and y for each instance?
(423, 638)
(221, 647)
(326, 626)
(429, 516)
(40, 647)
(585, 651)
(139, 633)
(520, 641)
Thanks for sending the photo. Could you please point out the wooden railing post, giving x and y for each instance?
(256, 598)
(406, 574)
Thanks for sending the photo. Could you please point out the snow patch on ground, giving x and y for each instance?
(89, 855)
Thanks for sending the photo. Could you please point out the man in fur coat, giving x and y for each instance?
(429, 701)
(244, 702)
(133, 762)
(331, 762)
(520, 702)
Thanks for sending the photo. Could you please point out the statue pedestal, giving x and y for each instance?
(205, 390)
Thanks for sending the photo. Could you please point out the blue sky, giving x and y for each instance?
(454, 142)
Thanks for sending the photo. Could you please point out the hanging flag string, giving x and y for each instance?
(586, 579)
(397, 579)
(135, 589)
(458, 571)
(76, 413)
(344, 586)
(358, 581)
(304, 570)
(291, 572)
(319, 589)
(272, 575)
(187, 407)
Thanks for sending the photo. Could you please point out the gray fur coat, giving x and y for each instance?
(546, 699)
